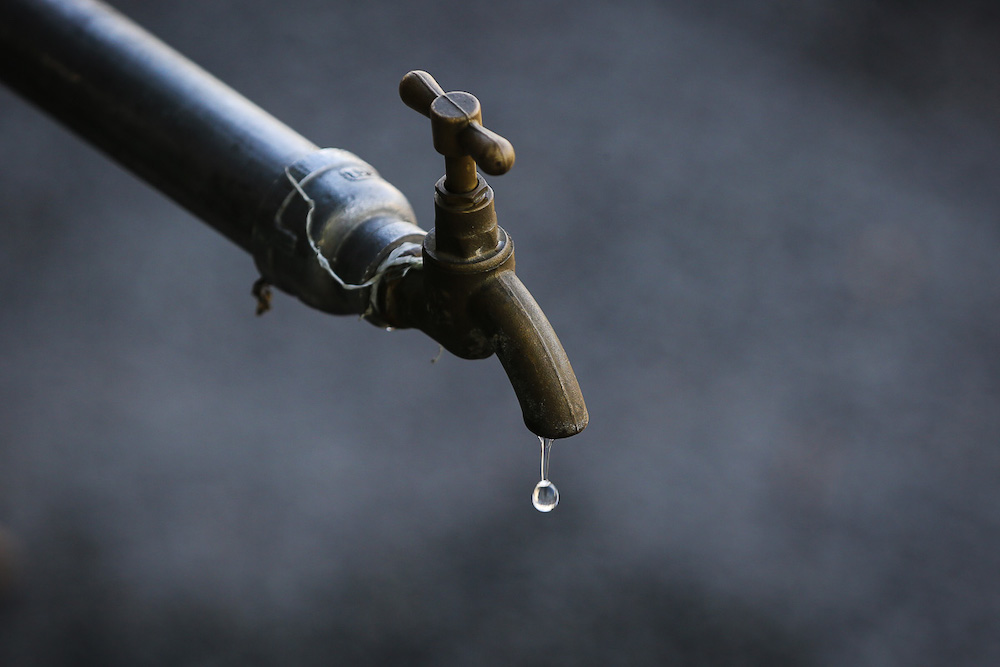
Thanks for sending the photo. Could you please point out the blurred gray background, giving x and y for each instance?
(768, 238)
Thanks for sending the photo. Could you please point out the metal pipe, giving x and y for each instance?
(178, 127)
(318, 222)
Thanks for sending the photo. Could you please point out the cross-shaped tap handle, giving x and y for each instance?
(457, 128)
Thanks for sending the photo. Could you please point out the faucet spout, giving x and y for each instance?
(476, 315)
(533, 357)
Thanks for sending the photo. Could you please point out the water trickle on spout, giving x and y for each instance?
(545, 497)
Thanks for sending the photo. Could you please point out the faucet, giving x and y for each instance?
(467, 297)
(321, 224)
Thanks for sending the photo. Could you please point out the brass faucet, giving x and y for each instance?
(467, 296)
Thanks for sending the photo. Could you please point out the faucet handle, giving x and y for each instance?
(458, 131)
(418, 90)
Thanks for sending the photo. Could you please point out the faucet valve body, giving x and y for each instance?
(465, 225)
(466, 250)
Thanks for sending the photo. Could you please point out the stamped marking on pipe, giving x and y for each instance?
(356, 173)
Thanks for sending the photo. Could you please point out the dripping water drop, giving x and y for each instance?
(545, 497)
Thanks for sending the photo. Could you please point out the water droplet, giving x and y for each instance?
(545, 497)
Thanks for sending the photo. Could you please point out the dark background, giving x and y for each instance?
(767, 237)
